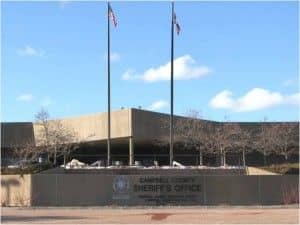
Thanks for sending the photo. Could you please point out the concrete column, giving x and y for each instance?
(200, 158)
(131, 151)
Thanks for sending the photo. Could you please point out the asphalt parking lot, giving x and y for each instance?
(165, 215)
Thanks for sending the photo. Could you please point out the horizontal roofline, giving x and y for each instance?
(149, 111)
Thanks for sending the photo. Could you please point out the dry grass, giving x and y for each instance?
(281, 168)
(290, 195)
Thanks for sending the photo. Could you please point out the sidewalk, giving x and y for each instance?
(162, 215)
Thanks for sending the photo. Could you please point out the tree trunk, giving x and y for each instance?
(54, 160)
(65, 160)
(265, 158)
(244, 158)
(224, 160)
(221, 157)
(286, 156)
(200, 158)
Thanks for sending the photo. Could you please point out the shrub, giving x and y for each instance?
(31, 169)
(290, 195)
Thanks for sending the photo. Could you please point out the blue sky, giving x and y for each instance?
(233, 59)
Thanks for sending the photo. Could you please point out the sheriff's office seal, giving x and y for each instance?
(121, 187)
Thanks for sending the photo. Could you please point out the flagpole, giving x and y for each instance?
(172, 86)
(108, 87)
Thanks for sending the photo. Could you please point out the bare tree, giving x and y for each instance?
(284, 138)
(42, 119)
(190, 132)
(232, 135)
(265, 141)
(241, 141)
(163, 138)
(208, 138)
(217, 143)
(195, 133)
(245, 144)
(63, 141)
(225, 139)
(25, 152)
(56, 138)
(199, 134)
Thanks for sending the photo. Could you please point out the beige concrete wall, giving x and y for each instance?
(16, 134)
(156, 124)
(94, 127)
(98, 189)
(141, 124)
(148, 125)
(88, 128)
(71, 190)
(16, 190)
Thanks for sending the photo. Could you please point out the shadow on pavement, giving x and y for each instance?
(158, 216)
(6, 219)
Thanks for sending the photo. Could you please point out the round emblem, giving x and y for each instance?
(120, 185)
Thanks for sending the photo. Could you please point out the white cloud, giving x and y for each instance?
(158, 105)
(293, 99)
(114, 57)
(25, 97)
(222, 100)
(185, 68)
(30, 51)
(130, 74)
(46, 101)
(254, 100)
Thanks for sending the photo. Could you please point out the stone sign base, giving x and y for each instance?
(146, 190)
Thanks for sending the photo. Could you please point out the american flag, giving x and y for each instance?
(176, 24)
(112, 15)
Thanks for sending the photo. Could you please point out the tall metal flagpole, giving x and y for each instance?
(172, 86)
(108, 86)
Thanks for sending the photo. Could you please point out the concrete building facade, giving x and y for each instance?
(134, 134)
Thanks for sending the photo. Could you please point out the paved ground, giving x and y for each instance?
(151, 216)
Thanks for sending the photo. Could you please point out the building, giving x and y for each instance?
(134, 137)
